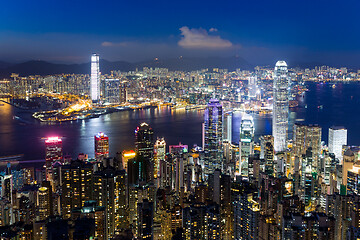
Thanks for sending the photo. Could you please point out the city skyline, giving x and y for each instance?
(187, 120)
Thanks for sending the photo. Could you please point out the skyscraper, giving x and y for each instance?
(246, 143)
(228, 127)
(95, 78)
(305, 137)
(337, 138)
(213, 126)
(101, 146)
(112, 91)
(144, 148)
(280, 117)
(53, 149)
(123, 92)
(144, 137)
(159, 154)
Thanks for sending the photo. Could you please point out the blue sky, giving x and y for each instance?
(260, 31)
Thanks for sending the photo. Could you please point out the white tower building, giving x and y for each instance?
(95, 78)
(337, 138)
(280, 119)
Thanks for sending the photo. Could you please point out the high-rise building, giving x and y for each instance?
(110, 188)
(144, 148)
(145, 220)
(53, 147)
(280, 118)
(123, 92)
(228, 127)
(45, 200)
(267, 153)
(95, 78)
(246, 143)
(126, 156)
(144, 140)
(112, 91)
(306, 136)
(159, 155)
(253, 88)
(337, 138)
(77, 185)
(213, 136)
(101, 146)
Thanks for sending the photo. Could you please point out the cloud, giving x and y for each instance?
(199, 38)
(114, 44)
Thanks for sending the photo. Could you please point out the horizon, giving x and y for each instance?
(260, 32)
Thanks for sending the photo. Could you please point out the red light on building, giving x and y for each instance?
(101, 146)
(53, 149)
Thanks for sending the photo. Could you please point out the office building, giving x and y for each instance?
(213, 130)
(159, 154)
(337, 139)
(228, 127)
(123, 92)
(246, 143)
(111, 91)
(144, 141)
(95, 78)
(280, 118)
(101, 146)
(54, 150)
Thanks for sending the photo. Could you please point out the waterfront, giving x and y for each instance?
(322, 104)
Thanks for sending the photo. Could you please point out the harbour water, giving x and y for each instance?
(323, 104)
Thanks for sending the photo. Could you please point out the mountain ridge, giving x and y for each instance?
(38, 67)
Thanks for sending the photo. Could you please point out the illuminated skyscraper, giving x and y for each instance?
(337, 138)
(228, 127)
(246, 143)
(144, 148)
(307, 136)
(53, 153)
(213, 126)
(77, 185)
(95, 78)
(267, 153)
(159, 154)
(280, 119)
(112, 91)
(253, 88)
(53, 149)
(45, 200)
(101, 146)
(144, 137)
(123, 92)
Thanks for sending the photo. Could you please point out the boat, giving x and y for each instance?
(333, 86)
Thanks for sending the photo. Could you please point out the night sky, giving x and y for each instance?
(326, 32)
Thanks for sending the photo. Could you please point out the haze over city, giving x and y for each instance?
(261, 32)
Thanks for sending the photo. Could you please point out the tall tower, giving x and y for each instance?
(337, 138)
(213, 126)
(246, 143)
(144, 148)
(228, 127)
(144, 137)
(159, 155)
(95, 78)
(280, 117)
